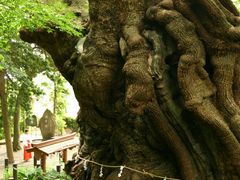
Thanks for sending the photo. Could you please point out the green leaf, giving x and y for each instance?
(33, 14)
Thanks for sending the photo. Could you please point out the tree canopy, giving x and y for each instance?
(34, 14)
(21, 61)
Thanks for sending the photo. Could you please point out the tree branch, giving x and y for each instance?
(59, 45)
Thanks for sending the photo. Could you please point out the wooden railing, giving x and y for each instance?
(59, 144)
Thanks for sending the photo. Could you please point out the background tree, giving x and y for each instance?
(22, 64)
(158, 86)
(14, 53)
(58, 98)
(5, 121)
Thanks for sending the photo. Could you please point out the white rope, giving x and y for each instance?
(121, 169)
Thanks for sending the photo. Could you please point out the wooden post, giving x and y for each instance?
(15, 172)
(34, 161)
(38, 165)
(64, 157)
(6, 162)
(43, 162)
(58, 167)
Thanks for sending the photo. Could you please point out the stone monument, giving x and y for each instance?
(47, 125)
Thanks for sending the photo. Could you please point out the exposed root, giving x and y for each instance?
(214, 17)
(165, 93)
(139, 85)
(216, 122)
(140, 95)
(165, 130)
(133, 140)
(223, 78)
(227, 8)
(228, 4)
(193, 79)
(192, 11)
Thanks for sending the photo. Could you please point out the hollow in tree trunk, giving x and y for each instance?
(158, 85)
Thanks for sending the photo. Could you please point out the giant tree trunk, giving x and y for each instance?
(158, 84)
(6, 127)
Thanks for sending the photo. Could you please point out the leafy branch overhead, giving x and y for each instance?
(34, 14)
(237, 3)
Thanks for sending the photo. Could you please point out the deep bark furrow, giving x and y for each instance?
(229, 15)
(223, 79)
(165, 130)
(197, 17)
(139, 85)
(215, 17)
(215, 121)
(236, 84)
(135, 152)
(191, 73)
(228, 4)
(169, 110)
(192, 77)
(164, 94)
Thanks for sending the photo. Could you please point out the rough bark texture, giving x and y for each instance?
(4, 108)
(16, 126)
(158, 83)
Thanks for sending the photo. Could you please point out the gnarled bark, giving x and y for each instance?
(158, 87)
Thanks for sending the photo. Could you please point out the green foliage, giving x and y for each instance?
(22, 63)
(1, 62)
(7, 174)
(237, 3)
(56, 175)
(60, 125)
(71, 123)
(37, 174)
(30, 173)
(34, 14)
